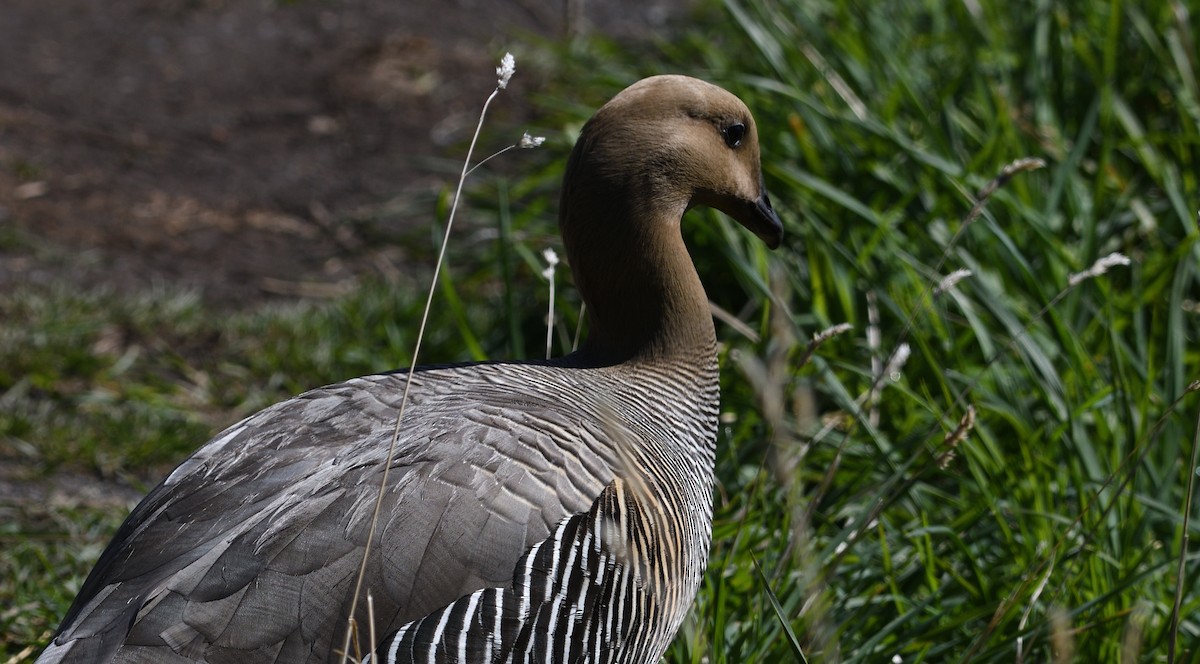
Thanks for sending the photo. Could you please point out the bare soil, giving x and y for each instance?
(216, 145)
(213, 144)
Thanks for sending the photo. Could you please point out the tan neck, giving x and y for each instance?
(644, 299)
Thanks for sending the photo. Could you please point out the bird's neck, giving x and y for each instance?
(644, 299)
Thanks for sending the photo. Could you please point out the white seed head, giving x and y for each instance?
(508, 65)
(1098, 268)
(896, 363)
(551, 261)
(1112, 260)
(831, 332)
(949, 281)
(528, 141)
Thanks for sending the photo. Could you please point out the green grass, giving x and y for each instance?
(48, 550)
(1054, 530)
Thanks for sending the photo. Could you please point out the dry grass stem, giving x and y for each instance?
(1062, 636)
(504, 72)
(1033, 599)
(981, 199)
(579, 327)
(890, 369)
(1099, 267)
(820, 338)
(1135, 633)
(526, 142)
(371, 620)
(1180, 573)
(1006, 174)
(956, 437)
(551, 262)
(1128, 464)
(835, 80)
(874, 341)
(733, 322)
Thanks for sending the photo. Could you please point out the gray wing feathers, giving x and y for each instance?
(265, 525)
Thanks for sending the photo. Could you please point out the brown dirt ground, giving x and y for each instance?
(209, 143)
(213, 144)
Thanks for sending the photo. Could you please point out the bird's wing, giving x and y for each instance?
(248, 551)
(587, 589)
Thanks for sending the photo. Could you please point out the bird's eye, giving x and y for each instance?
(734, 134)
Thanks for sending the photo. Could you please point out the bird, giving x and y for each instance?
(535, 511)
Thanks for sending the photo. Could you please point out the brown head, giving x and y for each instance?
(659, 147)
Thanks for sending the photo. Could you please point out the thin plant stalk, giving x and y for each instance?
(548, 273)
(1173, 640)
(960, 398)
(505, 71)
(1127, 467)
(579, 327)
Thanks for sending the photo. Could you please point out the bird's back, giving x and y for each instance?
(265, 525)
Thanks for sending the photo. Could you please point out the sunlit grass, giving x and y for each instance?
(1057, 520)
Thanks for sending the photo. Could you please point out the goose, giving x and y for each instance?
(535, 511)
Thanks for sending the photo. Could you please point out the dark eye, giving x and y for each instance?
(734, 134)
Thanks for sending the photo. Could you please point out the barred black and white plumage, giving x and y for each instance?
(551, 511)
(602, 588)
(608, 585)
